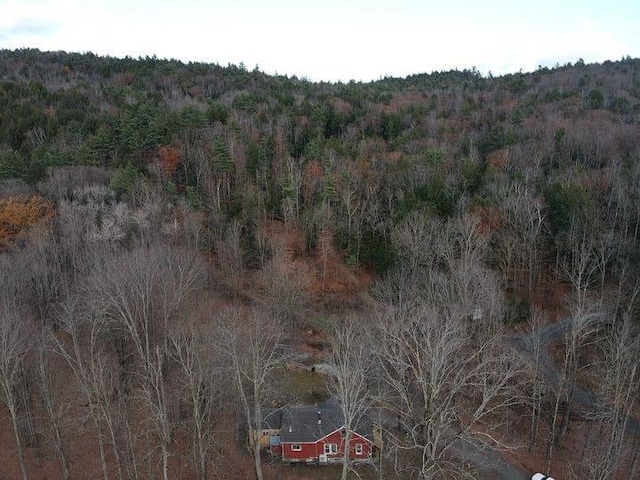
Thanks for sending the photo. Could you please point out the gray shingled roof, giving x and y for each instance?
(272, 418)
(300, 423)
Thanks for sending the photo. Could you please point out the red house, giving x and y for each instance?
(317, 435)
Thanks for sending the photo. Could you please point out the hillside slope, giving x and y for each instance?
(158, 220)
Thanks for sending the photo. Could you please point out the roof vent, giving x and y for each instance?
(319, 417)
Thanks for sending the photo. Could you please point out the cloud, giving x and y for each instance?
(28, 28)
(23, 21)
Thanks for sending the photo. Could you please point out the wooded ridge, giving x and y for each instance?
(182, 243)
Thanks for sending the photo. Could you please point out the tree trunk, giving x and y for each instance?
(257, 421)
(536, 407)
(16, 433)
(132, 464)
(566, 416)
(58, 446)
(345, 458)
(59, 449)
(165, 461)
(114, 443)
(634, 460)
(103, 457)
(256, 456)
(199, 449)
(62, 458)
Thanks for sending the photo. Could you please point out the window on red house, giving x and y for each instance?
(296, 448)
(358, 449)
(330, 448)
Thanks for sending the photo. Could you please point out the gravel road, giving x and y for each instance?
(549, 335)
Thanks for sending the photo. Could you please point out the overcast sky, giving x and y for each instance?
(334, 39)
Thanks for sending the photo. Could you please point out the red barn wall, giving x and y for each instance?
(336, 437)
(311, 451)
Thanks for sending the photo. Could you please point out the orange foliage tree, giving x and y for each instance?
(169, 160)
(311, 179)
(19, 212)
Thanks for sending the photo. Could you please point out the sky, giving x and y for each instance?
(334, 40)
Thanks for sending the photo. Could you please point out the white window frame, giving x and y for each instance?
(330, 448)
(296, 448)
(359, 450)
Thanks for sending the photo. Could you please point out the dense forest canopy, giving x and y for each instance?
(137, 193)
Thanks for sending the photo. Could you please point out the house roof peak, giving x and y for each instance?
(310, 423)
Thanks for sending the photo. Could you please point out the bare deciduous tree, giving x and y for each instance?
(253, 344)
(201, 381)
(439, 384)
(619, 391)
(443, 262)
(156, 397)
(13, 350)
(229, 249)
(351, 362)
(580, 326)
(520, 234)
(580, 263)
(284, 283)
(48, 384)
(351, 202)
(537, 374)
(415, 239)
(44, 275)
(442, 369)
(84, 348)
(291, 201)
(139, 292)
(181, 273)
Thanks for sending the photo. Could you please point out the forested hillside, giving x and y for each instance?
(181, 243)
